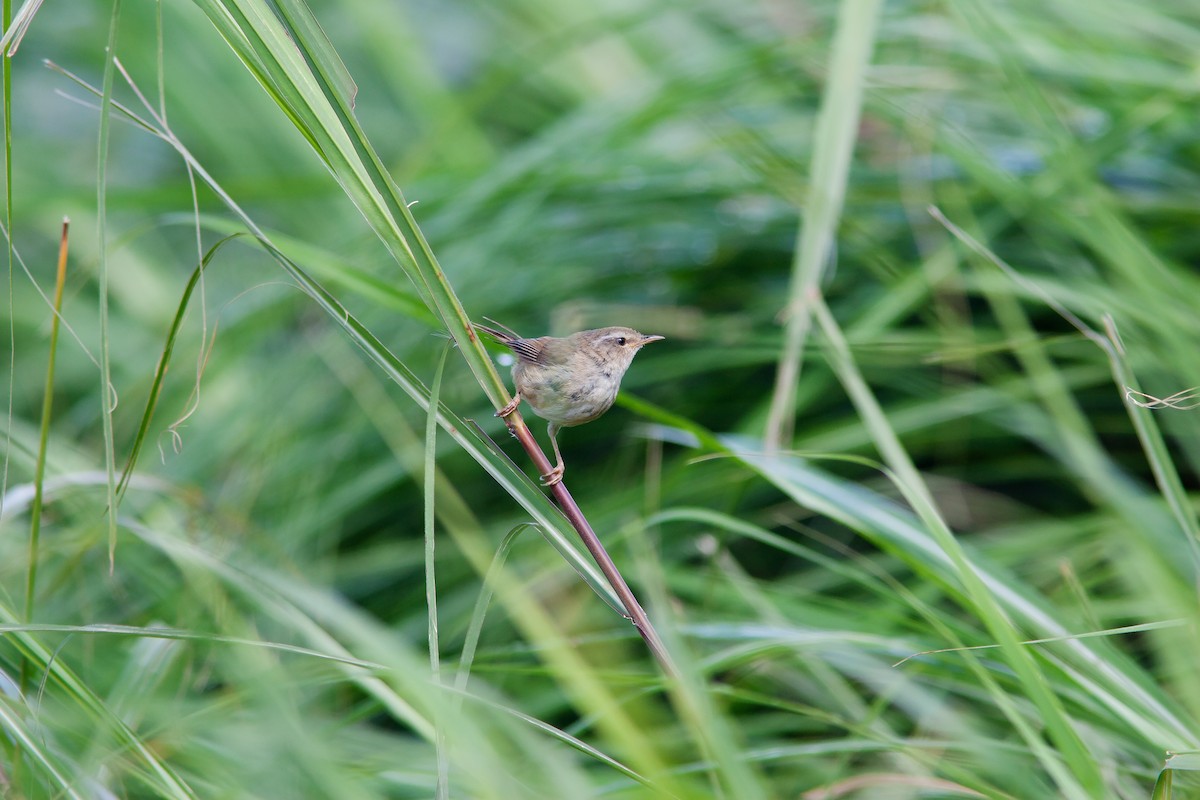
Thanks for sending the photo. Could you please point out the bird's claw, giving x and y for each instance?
(553, 476)
(511, 407)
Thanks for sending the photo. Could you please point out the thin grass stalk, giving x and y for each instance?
(430, 481)
(182, 635)
(164, 363)
(837, 131)
(39, 470)
(475, 627)
(107, 397)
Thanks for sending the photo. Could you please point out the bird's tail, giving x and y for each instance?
(505, 336)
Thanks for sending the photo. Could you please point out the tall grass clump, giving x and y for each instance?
(908, 496)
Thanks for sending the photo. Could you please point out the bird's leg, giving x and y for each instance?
(511, 407)
(555, 475)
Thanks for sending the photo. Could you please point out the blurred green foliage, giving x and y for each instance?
(638, 162)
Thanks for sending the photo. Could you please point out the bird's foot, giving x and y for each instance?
(511, 407)
(553, 476)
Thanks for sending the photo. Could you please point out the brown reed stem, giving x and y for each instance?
(634, 611)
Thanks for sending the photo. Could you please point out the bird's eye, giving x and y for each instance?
(621, 341)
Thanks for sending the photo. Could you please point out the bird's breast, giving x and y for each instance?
(559, 396)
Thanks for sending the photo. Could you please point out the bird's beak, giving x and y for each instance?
(648, 339)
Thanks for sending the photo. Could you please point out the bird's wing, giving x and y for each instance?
(532, 350)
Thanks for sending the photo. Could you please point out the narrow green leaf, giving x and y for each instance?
(829, 168)
(430, 483)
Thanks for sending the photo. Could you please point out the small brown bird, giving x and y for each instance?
(568, 381)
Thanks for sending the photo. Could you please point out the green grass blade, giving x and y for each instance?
(475, 626)
(39, 471)
(107, 390)
(430, 482)
(829, 168)
(177, 634)
(164, 362)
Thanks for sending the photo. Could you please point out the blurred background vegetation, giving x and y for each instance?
(264, 618)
